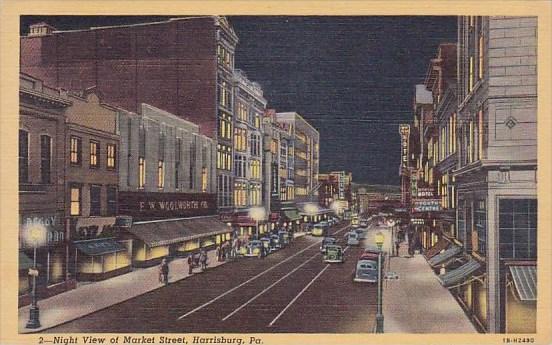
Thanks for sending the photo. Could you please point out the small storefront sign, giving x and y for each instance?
(417, 221)
(50, 223)
(149, 206)
(92, 227)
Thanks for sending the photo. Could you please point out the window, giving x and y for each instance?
(480, 130)
(161, 174)
(224, 157)
(94, 154)
(192, 170)
(225, 94)
(204, 179)
(23, 156)
(95, 200)
(255, 145)
(242, 112)
(76, 150)
(240, 166)
(480, 214)
(75, 200)
(461, 220)
(45, 158)
(481, 56)
(255, 169)
(240, 194)
(111, 201)
(224, 56)
(240, 139)
(177, 156)
(255, 194)
(141, 172)
(111, 156)
(225, 126)
(518, 228)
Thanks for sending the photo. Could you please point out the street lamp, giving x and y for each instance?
(36, 235)
(379, 314)
(311, 209)
(257, 214)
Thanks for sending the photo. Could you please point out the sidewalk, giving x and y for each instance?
(417, 302)
(91, 297)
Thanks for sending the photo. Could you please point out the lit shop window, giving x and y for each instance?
(94, 154)
(161, 174)
(75, 201)
(75, 150)
(141, 172)
(111, 156)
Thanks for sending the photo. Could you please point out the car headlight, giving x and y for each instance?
(256, 251)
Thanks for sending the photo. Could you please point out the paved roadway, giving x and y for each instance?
(291, 290)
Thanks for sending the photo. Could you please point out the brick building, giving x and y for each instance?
(183, 65)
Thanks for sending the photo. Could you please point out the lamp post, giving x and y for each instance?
(379, 314)
(36, 234)
(258, 214)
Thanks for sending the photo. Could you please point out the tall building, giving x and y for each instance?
(306, 141)
(183, 65)
(335, 191)
(496, 179)
(41, 188)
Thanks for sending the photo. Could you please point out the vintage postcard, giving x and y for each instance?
(275, 172)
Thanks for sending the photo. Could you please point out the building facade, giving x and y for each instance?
(41, 189)
(306, 141)
(335, 191)
(496, 179)
(183, 65)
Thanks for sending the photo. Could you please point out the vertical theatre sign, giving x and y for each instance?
(404, 130)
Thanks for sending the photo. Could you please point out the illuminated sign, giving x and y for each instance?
(417, 221)
(92, 227)
(49, 222)
(404, 130)
(426, 205)
(424, 192)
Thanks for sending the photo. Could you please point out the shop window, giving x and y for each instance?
(23, 156)
(141, 172)
(111, 156)
(94, 154)
(204, 179)
(518, 228)
(161, 174)
(95, 200)
(45, 158)
(111, 201)
(75, 150)
(75, 200)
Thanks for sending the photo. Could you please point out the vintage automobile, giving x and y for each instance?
(320, 229)
(253, 248)
(363, 224)
(366, 271)
(360, 232)
(284, 237)
(268, 245)
(353, 239)
(275, 242)
(333, 254)
(327, 241)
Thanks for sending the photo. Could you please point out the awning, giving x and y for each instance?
(436, 249)
(99, 246)
(292, 215)
(164, 232)
(460, 274)
(447, 254)
(25, 262)
(525, 281)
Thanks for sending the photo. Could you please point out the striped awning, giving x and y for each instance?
(525, 281)
(460, 274)
(437, 248)
(440, 258)
(99, 246)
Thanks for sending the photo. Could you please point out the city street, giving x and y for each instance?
(291, 290)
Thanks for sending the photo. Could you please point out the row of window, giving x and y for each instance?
(161, 175)
(225, 126)
(225, 94)
(224, 56)
(476, 51)
(45, 157)
(240, 139)
(95, 200)
(224, 157)
(242, 190)
(224, 195)
(75, 153)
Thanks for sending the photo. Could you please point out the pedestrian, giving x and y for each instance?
(203, 260)
(219, 253)
(190, 264)
(165, 271)
(160, 272)
(397, 246)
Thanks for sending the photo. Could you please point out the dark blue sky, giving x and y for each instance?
(351, 77)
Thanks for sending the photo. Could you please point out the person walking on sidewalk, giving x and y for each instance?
(397, 247)
(203, 259)
(165, 271)
(190, 264)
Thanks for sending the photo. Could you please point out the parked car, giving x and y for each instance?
(253, 248)
(366, 271)
(361, 233)
(363, 224)
(353, 239)
(275, 242)
(333, 254)
(327, 241)
(284, 238)
(267, 245)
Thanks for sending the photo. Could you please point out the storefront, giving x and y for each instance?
(100, 258)
(154, 240)
(96, 253)
(521, 298)
(51, 255)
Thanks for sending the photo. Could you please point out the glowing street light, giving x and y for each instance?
(257, 214)
(379, 239)
(36, 236)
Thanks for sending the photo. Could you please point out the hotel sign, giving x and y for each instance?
(404, 130)
(424, 192)
(149, 206)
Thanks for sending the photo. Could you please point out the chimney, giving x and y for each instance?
(40, 29)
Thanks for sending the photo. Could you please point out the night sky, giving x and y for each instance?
(352, 78)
